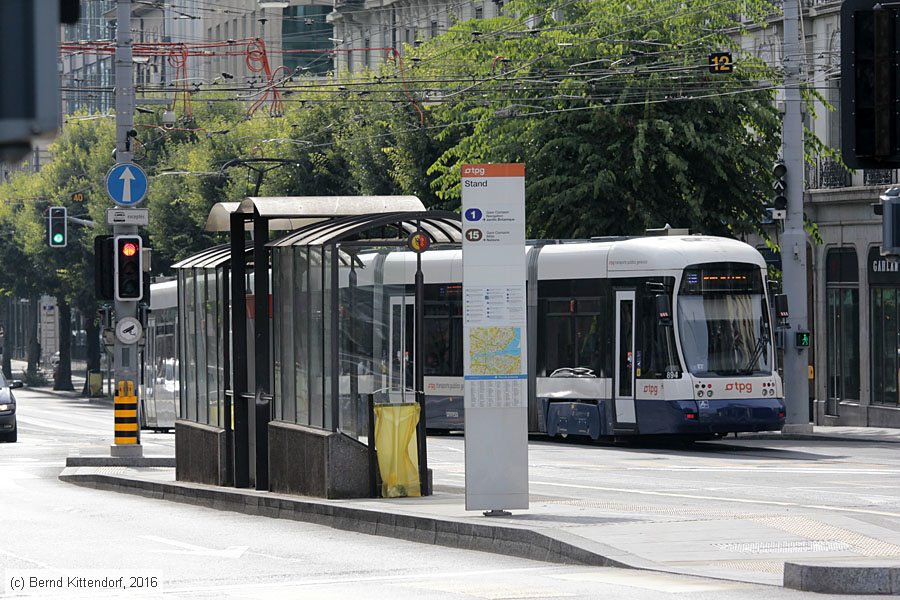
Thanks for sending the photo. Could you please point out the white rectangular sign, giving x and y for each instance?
(128, 216)
(495, 364)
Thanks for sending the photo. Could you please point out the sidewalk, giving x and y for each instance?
(836, 552)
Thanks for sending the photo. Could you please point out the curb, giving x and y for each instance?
(842, 579)
(815, 437)
(120, 461)
(550, 546)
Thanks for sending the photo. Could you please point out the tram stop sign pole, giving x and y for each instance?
(495, 364)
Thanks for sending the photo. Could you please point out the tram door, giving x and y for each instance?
(401, 371)
(625, 359)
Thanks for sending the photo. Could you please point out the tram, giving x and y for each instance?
(653, 336)
(159, 387)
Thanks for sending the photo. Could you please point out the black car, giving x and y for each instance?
(8, 430)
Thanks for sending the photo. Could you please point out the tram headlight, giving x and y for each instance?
(700, 394)
(6, 407)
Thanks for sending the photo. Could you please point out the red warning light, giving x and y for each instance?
(129, 249)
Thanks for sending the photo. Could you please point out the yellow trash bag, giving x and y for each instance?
(95, 383)
(395, 441)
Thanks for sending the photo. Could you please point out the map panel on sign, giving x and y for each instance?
(495, 350)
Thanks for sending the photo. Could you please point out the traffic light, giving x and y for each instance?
(870, 127)
(104, 267)
(779, 202)
(57, 231)
(890, 222)
(129, 270)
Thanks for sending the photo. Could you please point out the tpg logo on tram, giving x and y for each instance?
(741, 388)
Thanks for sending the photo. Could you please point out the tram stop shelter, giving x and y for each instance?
(293, 373)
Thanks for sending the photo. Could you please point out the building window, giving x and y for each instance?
(842, 327)
(434, 29)
(884, 283)
(479, 12)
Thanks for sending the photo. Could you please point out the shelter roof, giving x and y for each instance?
(443, 227)
(286, 213)
(210, 258)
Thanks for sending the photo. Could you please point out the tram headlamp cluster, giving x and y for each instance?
(6, 407)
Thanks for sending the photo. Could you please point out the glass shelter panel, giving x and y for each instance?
(316, 340)
(302, 321)
(190, 330)
(200, 338)
(345, 333)
(212, 347)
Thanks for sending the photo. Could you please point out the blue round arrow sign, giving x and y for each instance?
(126, 184)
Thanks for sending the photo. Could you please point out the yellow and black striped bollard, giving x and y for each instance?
(126, 414)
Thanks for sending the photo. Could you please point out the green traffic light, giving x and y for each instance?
(58, 238)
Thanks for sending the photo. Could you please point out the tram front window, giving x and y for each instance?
(723, 321)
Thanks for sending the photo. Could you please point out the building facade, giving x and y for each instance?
(297, 36)
(366, 31)
(853, 290)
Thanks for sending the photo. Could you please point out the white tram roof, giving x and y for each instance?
(643, 254)
(579, 259)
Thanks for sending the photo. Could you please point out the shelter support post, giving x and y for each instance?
(262, 352)
(239, 353)
(421, 431)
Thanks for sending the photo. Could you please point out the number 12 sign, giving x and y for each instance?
(721, 62)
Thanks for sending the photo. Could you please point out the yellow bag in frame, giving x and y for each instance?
(395, 441)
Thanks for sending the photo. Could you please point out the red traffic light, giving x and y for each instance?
(129, 249)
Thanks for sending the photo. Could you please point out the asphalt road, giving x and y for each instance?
(50, 527)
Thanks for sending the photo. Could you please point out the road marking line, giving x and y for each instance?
(717, 498)
(230, 552)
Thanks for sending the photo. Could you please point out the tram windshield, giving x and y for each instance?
(723, 320)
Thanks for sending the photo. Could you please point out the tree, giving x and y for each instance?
(612, 108)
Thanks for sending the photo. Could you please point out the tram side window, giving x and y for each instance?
(571, 333)
(657, 357)
(443, 338)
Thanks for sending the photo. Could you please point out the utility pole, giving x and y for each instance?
(125, 356)
(793, 246)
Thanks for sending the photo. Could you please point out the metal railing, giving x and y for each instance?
(829, 174)
(879, 176)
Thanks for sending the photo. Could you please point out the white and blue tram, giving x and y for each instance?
(605, 360)
(159, 385)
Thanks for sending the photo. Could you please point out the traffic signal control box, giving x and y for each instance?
(870, 95)
(129, 272)
(57, 230)
(890, 225)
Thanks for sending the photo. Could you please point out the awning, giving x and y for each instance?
(287, 213)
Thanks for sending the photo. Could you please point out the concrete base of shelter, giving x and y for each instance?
(843, 578)
(200, 453)
(120, 461)
(312, 462)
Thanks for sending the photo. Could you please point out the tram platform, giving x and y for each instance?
(836, 550)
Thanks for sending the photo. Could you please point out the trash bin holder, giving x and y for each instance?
(395, 442)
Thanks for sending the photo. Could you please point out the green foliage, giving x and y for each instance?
(609, 104)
